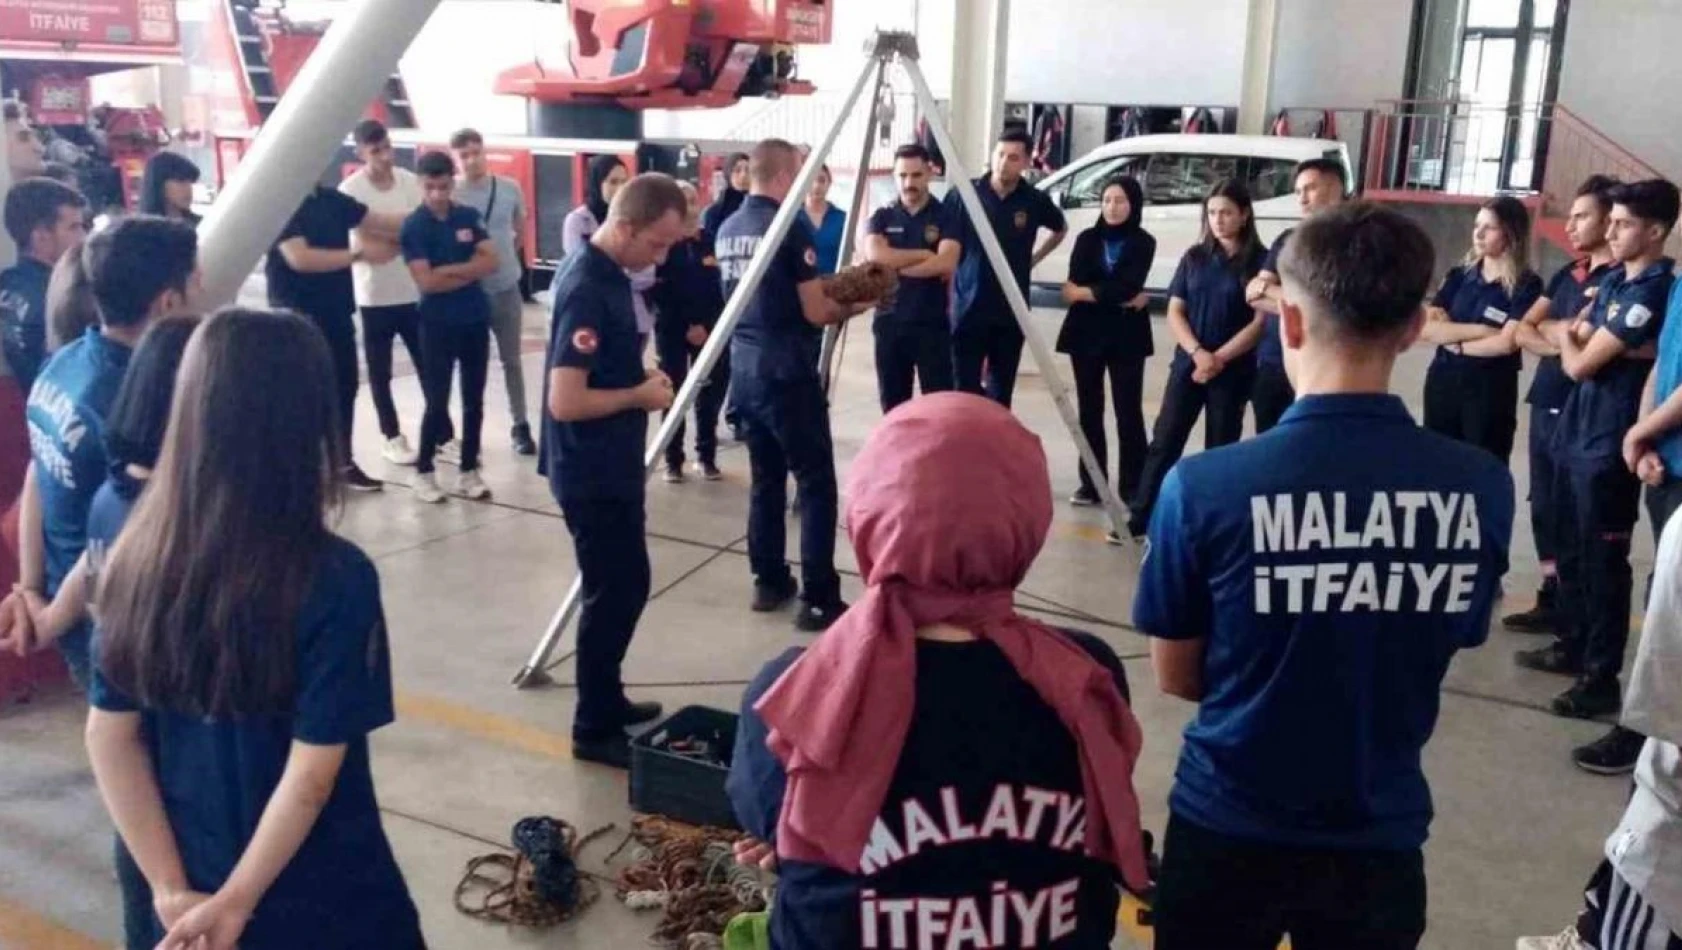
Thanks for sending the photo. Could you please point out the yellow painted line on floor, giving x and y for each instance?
(27, 930)
(491, 727)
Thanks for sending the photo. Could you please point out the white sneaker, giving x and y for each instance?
(427, 490)
(448, 453)
(1564, 941)
(398, 452)
(470, 485)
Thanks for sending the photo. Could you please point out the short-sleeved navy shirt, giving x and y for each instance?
(773, 339)
(441, 242)
(920, 302)
(1601, 409)
(324, 221)
(23, 319)
(1468, 298)
(594, 328)
(107, 514)
(1212, 284)
(343, 887)
(1567, 294)
(1016, 219)
(987, 793)
(1270, 350)
(1333, 567)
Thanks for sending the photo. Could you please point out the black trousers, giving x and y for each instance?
(1598, 508)
(340, 331)
(991, 341)
(1476, 404)
(676, 358)
(1182, 403)
(381, 327)
(908, 354)
(1127, 391)
(1271, 395)
(612, 553)
(446, 347)
(1217, 892)
(1545, 472)
(787, 425)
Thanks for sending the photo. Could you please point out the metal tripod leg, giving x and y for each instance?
(532, 673)
(1043, 358)
(855, 206)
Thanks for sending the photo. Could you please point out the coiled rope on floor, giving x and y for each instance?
(691, 875)
(539, 885)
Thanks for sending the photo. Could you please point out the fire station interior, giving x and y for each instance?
(1432, 106)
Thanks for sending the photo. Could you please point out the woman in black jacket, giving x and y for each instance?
(1108, 331)
(166, 187)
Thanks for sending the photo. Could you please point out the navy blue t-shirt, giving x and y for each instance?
(66, 413)
(1468, 298)
(1270, 350)
(594, 328)
(1566, 295)
(324, 220)
(1601, 409)
(107, 514)
(920, 302)
(23, 318)
(343, 888)
(441, 242)
(984, 811)
(1333, 566)
(773, 339)
(1212, 284)
(1016, 219)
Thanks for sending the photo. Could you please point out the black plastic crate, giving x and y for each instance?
(689, 790)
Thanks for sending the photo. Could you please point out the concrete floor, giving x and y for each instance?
(468, 588)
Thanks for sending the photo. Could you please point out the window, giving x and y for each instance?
(1271, 178)
(1497, 14)
(1178, 179)
(1086, 185)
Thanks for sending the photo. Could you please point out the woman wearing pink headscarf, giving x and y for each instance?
(938, 770)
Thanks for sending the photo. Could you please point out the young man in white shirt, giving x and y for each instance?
(386, 293)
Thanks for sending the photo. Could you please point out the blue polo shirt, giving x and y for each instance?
(66, 414)
(1334, 566)
(773, 339)
(1468, 298)
(1212, 284)
(1601, 409)
(343, 887)
(23, 319)
(1270, 350)
(1016, 219)
(442, 242)
(1567, 294)
(827, 236)
(1668, 377)
(594, 328)
(920, 302)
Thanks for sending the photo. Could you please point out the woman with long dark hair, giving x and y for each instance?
(166, 187)
(242, 662)
(1217, 331)
(1108, 332)
(1471, 389)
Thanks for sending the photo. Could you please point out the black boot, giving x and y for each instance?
(1542, 618)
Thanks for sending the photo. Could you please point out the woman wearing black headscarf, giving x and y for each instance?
(1108, 331)
(166, 187)
(735, 190)
(604, 177)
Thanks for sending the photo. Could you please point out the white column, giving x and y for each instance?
(341, 77)
(1259, 43)
(980, 34)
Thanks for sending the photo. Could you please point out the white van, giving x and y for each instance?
(1176, 172)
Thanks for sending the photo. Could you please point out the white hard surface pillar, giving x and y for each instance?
(980, 32)
(341, 77)
(1259, 45)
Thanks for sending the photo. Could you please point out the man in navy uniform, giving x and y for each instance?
(45, 220)
(1320, 183)
(774, 376)
(1609, 355)
(984, 329)
(1308, 589)
(917, 237)
(594, 431)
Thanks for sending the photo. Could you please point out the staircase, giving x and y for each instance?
(272, 49)
(1576, 150)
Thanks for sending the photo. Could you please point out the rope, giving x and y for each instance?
(539, 885)
(691, 875)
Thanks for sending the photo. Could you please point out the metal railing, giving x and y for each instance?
(806, 119)
(1576, 150)
(1451, 148)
